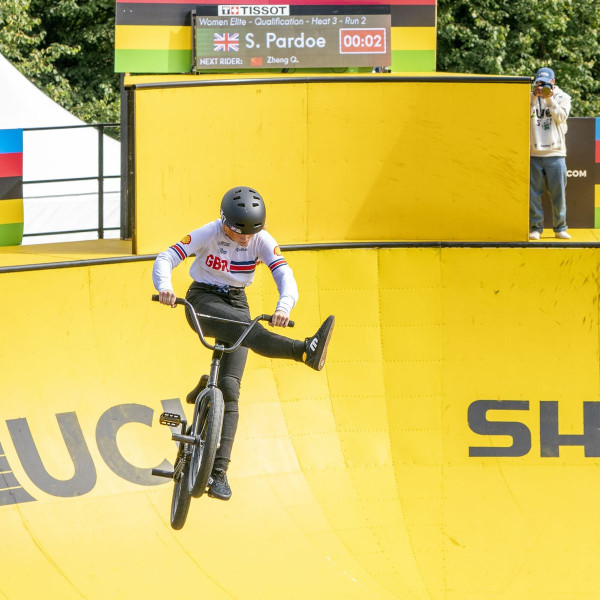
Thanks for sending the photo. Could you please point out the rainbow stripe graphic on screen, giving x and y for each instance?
(11, 187)
(597, 173)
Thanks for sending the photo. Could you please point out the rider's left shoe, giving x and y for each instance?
(218, 487)
(315, 347)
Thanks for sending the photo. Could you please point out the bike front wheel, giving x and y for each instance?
(180, 502)
(207, 425)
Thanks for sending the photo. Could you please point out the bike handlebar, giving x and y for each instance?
(194, 316)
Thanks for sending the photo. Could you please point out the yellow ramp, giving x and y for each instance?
(369, 158)
(367, 480)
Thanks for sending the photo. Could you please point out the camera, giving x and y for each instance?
(546, 88)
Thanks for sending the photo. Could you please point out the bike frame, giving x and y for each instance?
(191, 450)
(217, 348)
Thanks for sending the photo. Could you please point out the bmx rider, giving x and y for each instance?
(227, 252)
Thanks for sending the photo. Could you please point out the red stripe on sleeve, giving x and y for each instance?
(277, 263)
(178, 251)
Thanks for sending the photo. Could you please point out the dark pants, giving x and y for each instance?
(232, 304)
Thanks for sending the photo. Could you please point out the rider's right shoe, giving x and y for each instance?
(218, 487)
(315, 347)
(191, 397)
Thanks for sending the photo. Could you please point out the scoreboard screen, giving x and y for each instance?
(290, 37)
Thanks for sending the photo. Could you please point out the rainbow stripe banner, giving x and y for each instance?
(597, 173)
(153, 36)
(11, 187)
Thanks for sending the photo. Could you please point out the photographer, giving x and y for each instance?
(550, 108)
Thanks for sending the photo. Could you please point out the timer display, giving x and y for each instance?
(286, 36)
(362, 41)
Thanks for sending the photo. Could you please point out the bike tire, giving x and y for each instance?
(207, 425)
(180, 502)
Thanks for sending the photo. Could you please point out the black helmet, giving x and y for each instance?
(243, 210)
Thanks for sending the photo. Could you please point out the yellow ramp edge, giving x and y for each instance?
(63, 252)
(356, 482)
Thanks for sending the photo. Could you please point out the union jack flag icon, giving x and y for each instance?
(225, 42)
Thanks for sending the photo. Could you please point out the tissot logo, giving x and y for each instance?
(550, 438)
(249, 10)
(85, 475)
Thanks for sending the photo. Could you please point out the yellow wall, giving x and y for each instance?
(337, 161)
(355, 482)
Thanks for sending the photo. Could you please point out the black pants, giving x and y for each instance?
(232, 304)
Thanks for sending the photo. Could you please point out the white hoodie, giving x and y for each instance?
(549, 124)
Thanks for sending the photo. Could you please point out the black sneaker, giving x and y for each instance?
(191, 397)
(218, 486)
(316, 346)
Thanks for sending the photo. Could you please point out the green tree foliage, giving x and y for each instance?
(66, 48)
(22, 42)
(516, 37)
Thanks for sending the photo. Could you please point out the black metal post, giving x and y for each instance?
(125, 221)
(101, 182)
(130, 181)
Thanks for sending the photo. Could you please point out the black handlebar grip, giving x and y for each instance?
(177, 300)
(269, 317)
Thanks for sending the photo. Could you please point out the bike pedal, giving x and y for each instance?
(170, 419)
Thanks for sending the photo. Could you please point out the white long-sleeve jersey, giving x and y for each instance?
(220, 261)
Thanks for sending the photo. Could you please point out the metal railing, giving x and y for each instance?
(100, 178)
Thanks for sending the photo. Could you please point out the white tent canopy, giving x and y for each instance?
(58, 154)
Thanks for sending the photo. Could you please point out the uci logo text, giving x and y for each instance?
(84, 476)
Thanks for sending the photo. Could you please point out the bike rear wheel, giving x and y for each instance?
(180, 502)
(207, 425)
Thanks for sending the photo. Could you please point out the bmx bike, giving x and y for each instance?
(197, 443)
